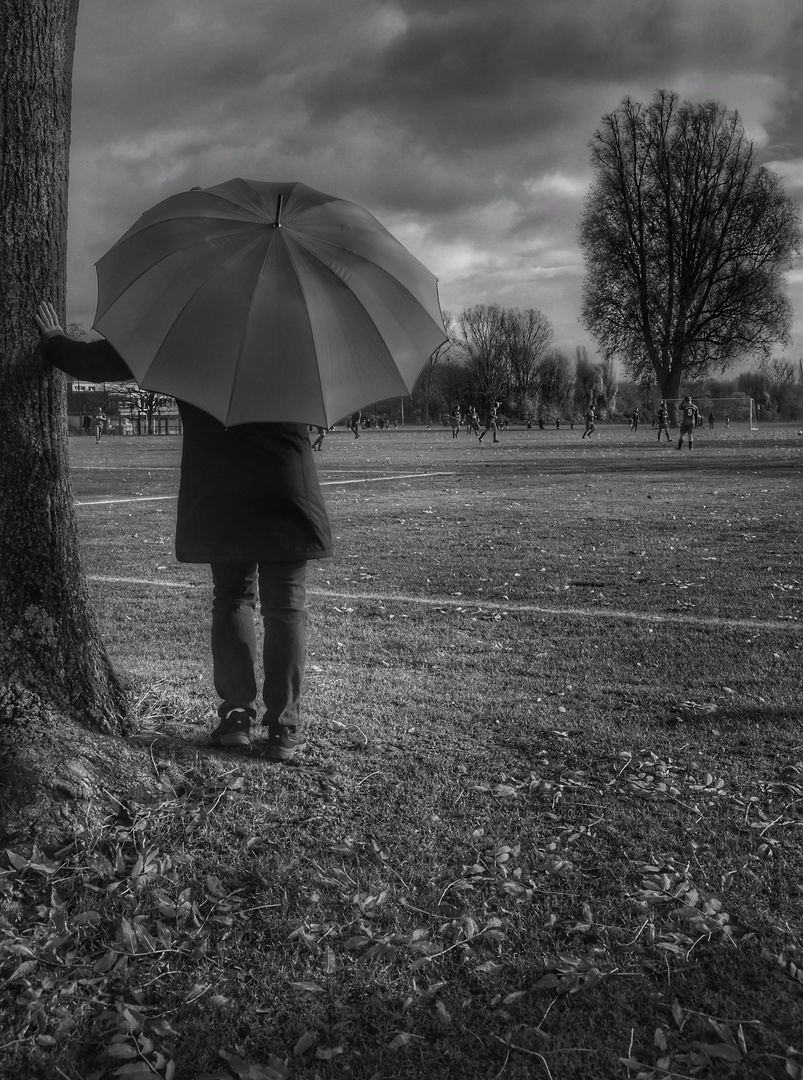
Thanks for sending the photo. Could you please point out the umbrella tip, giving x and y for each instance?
(278, 222)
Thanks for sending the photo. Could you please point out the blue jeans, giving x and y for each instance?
(281, 589)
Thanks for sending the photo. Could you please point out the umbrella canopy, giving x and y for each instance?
(268, 302)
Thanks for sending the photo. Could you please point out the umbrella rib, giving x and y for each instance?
(362, 258)
(180, 311)
(377, 266)
(258, 198)
(289, 252)
(371, 262)
(244, 335)
(149, 268)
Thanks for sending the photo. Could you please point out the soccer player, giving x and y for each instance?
(99, 423)
(688, 421)
(663, 421)
(591, 427)
(492, 420)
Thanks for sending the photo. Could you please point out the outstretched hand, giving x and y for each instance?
(47, 320)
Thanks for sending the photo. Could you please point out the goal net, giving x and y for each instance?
(720, 413)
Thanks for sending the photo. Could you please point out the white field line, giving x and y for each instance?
(478, 607)
(324, 483)
(398, 476)
(104, 580)
(124, 468)
(130, 499)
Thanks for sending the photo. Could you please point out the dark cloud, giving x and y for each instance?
(463, 125)
(496, 70)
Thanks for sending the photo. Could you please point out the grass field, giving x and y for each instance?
(549, 819)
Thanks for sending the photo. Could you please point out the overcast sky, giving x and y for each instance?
(463, 125)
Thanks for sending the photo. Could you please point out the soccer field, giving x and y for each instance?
(548, 820)
(619, 530)
(544, 571)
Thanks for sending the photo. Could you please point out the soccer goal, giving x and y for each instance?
(718, 413)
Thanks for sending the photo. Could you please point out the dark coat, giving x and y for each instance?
(247, 493)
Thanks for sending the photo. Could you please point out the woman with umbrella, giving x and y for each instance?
(261, 308)
(250, 506)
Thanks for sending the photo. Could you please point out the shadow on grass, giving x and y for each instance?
(644, 465)
(185, 742)
(770, 717)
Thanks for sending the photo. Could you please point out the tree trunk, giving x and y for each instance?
(61, 705)
(669, 384)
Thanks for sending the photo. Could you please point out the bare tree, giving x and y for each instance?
(589, 385)
(755, 385)
(781, 376)
(686, 240)
(527, 334)
(452, 384)
(484, 348)
(555, 381)
(60, 701)
(140, 401)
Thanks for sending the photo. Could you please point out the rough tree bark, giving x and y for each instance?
(61, 707)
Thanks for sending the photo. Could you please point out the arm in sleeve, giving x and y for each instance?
(92, 361)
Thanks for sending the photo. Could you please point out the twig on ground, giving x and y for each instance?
(719, 1019)
(523, 1050)
(504, 1063)
(770, 824)
(412, 907)
(368, 776)
(456, 945)
(640, 931)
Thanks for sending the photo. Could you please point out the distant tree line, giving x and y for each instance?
(509, 355)
(775, 385)
(503, 354)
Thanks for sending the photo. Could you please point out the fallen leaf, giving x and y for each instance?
(303, 1043)
(121, 1050)
(327, 1054)
(401, 1040)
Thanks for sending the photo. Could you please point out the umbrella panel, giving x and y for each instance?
(387, 295)
(255, 342)
(148, 251)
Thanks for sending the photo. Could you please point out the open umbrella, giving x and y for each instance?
(267, 302)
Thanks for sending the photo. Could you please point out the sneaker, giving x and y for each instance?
(233, 729)
(283, 744)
